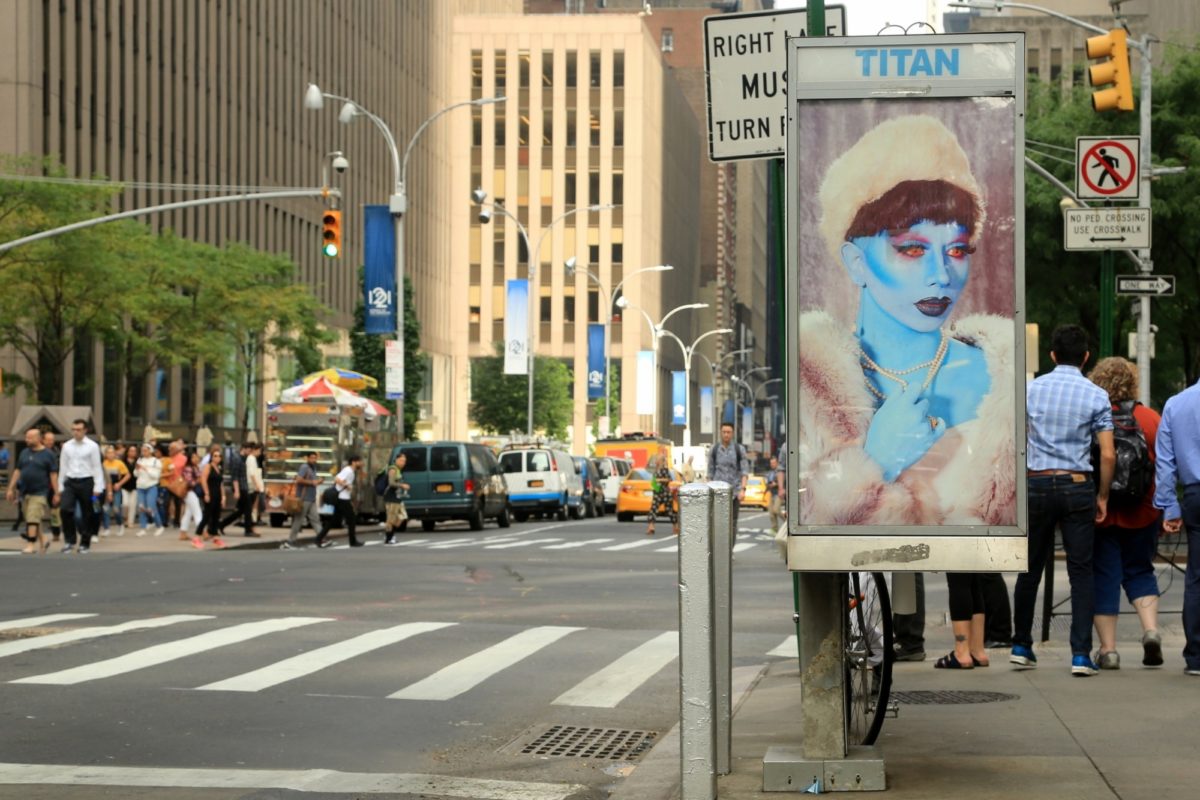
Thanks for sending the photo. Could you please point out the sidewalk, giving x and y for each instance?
(1127, 734)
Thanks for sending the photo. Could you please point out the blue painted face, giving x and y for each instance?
(914, 275)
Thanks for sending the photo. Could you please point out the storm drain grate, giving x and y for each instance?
(948, 698)
(570, 741)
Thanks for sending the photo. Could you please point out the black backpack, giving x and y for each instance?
(1133, 474)
(381, 482)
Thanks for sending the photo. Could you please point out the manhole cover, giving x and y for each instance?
(948, 698)
(570, 741)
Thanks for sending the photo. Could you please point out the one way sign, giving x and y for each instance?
(1156, 285)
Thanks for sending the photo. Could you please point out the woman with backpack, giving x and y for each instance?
(1127, 539)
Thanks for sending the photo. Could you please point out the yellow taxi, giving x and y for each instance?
(635, 494)
(756, 492)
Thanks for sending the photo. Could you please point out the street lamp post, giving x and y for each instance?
(572, 267)
(744, 383)
(314, 99)
(731, 354)
(656, 331)
(532, 256)
(688, 351)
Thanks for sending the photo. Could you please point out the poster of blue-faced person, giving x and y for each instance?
(906, 298)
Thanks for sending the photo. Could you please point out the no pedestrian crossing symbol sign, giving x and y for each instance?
(1107, 167)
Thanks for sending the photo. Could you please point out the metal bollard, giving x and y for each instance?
(697, 664)
(723, 538)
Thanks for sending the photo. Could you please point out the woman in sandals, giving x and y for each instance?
(660, 482)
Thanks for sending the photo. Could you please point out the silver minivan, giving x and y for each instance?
(541, 481)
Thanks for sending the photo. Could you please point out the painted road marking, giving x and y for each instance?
(741, 546)
(473, 670)
(522, 543)
(671, 548)
(55, 639)
(786, 648)
(467, 543)
(315, 660)
(33, 622)
(325, 781)
(572, 545)
(629, 545)
(170, 651)
(611, 685)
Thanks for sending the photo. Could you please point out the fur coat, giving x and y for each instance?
(967, 478)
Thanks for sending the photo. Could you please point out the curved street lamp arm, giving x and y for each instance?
(421, 129)
(703, 336)
(564, 215)
(677, 309)
(387, 133)
(687, 351)
(657, 268)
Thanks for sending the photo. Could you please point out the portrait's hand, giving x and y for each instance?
(901, 432)
(1172, 525)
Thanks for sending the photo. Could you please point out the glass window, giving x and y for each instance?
(477, 129)
(594, 129)
(477, 69)
(444, 459)
(511, 463)
(569, 186)
(593, 305)
(416, 458)
(539, 461)
(618, 190)
(478, 457)
(618, 128)
(594, 253)
(594, 186)
(572, 76)
(668, 40)
(568, 309)
(545, 309)
(618, 252)
(594, 63)
(501, 69)
(547, 68)
(523, 59)
(1031, 61)
(570, 127)
(618, 68)
(1056, 65)
(499, 140)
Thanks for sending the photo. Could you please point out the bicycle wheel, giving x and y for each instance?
(869, 656)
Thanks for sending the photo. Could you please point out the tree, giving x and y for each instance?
(367, 355)
(499, 402)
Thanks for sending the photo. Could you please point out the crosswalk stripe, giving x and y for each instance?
(740, 546)
(787, 648)
(671, 548)
(315, 660)
(572, 545)
(464, 675)
(455, 543)
(33, 622)
(629, 545)
(170, 651)
(522, 543)
(611, 685)
(411, 542)
(54, 639)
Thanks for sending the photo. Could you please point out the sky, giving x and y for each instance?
(866, 17)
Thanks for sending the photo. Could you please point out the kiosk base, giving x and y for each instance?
(785, 769)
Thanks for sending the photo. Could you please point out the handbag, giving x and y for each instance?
(177, 486)
(292, 503)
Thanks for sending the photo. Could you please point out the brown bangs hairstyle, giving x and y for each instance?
(911, 202)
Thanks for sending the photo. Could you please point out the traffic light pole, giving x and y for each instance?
(1146, 265)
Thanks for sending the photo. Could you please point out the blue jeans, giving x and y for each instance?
(1191, 581)
(1057, 500)
(112, 511)
(148, 499)
(1124, 557)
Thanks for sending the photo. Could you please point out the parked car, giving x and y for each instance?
(634, 497)
(612, 471)
(541, 481)
(756, 492)
(593, 490)
(453, 480)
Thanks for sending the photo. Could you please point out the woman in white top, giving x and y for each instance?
(147, 474)
(344, 484)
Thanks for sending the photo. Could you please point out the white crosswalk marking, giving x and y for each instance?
(671, 548)
(468, 673)
(170, 651)
(453, 544)
(54, 639)
(33, 622)
(611, 685)
(740, 546)
(572, 545)
(630, 545)
(443, 542)
(787, 648)
(315, 660)
(522, 543)
(411, 542)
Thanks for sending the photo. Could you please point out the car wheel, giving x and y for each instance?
(599, 505)
(502, 518)
(561, 514)
(428, 525)
(589, 510)
(520, 516)
(475, 519)
(624, 516)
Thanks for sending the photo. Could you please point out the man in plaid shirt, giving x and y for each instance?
(1064, 411)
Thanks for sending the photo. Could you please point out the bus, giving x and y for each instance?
(636, 448)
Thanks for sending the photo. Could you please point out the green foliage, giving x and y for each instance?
(367, 356)
(499, 402)
(1063, 287)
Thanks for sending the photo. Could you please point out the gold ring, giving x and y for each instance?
(932, 422)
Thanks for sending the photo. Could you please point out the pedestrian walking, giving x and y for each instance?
(81, 483)
(661, 501)
(1064, 412)
(727, 462)
(147, 473)
(394, 497)
(212, 485)
(966, 621)
(242, 497)
(129, 490)
(254, 482)
(193, 511)
(774, 496)
(49, 442)
(305, 487)
(344, 483)
(178, 459)
(1177, 447)
(118, 476)
(34, 481)
(1127, 541)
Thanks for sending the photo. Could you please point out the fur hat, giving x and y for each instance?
(909, 148)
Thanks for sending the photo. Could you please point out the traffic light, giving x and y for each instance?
(331, 234)
(1115, 71)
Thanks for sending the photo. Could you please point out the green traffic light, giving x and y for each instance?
(330, 250)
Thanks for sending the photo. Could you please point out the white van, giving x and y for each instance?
(542, 481)
(612, 471)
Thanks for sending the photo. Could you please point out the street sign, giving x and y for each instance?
(1107, 167)
(393, 369)
(1153, 285)
(1106, 229)
(746, 65)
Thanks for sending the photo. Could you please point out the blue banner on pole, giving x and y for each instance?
(678, 397)
(379, 260)
(597, 383)
(516, 327)
(706, 409)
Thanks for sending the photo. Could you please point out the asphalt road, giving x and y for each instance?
(374, 672)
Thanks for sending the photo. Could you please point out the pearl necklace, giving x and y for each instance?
(934, 364)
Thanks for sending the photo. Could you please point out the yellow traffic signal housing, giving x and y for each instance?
(1115, 71)
(331, 234)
